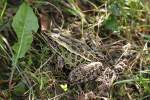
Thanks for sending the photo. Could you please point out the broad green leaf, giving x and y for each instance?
(24, 23)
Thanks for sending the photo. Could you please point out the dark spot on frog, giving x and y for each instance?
(66, 55)
(78, 57)
(81, 50)
(73, 60)
(90, 57)
(73, 47)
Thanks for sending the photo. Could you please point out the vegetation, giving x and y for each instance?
(35, 65)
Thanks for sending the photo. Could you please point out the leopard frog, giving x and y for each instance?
(72, 50)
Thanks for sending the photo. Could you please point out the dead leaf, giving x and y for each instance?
(44, 22)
